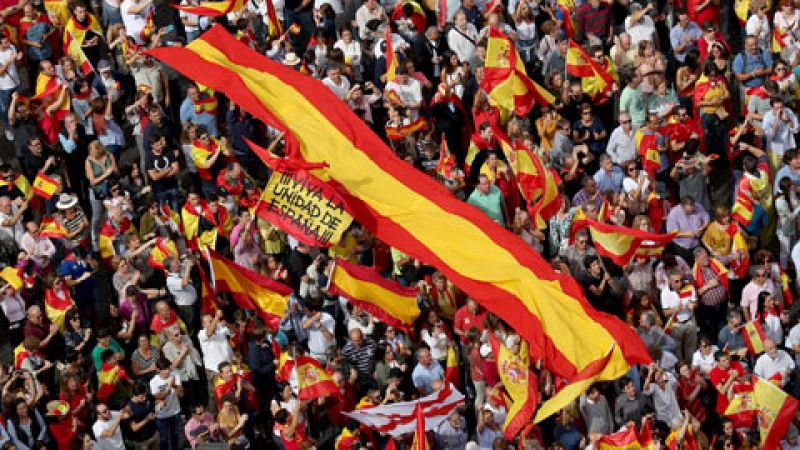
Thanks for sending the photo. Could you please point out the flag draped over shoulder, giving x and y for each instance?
(520, 383)
(622, 244)
(414, 213)
(74, 35)
(385, 299)
(250, 290)
(212, 9)
(595, 80)
(505, 79)
(742, 210)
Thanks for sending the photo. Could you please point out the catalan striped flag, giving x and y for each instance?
(413, 212)
(742, 210)
(52, 228)
(212, 9)
(391, 56)
(250, 290)
(275, 27)
(754, 337)
(621, 244)
(778, 39)
(447, 161)
(312, 380)
(505, 80)
(385, 299)
(163, 249)
(44, 186)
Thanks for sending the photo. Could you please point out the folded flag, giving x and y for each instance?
(312, 381)
(44, 186)
(250, 290)
(52, 228)
(385, 299)
(622, 244)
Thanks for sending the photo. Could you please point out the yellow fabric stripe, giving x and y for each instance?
(616, 243)
(482, 260)
(402, 308)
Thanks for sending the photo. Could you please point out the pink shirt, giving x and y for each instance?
(193, 423)
(750, 295)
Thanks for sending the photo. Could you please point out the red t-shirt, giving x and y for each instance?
(464, 320)
(719, 376)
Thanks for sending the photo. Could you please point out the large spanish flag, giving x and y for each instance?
(505, 79)
(385, 299)
(312, 380)
(621, 244)
(621, 440)
(212, 9)
(596, 80)
(74, 35)
(776, 409)
(413, 212)
(520, 383)
(250, 290)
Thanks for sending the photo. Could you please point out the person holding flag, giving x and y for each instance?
(679, 301)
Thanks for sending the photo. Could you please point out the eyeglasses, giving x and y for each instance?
(761, 275)
(625, 122)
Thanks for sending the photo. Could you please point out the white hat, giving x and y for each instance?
(291, 59)
(66, 201)
(486, 350)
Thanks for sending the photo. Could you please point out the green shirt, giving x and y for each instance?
(491, 204)
(98, 352)
(631, 102)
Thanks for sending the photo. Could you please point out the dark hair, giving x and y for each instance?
(107, 355)
(163, 363)
(140, 389)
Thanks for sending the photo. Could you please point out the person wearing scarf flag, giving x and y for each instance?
(58, 301)
(82, 38)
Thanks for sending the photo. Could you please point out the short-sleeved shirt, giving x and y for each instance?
(160, 163)
(113, 442)
(424, 377)
(139, 412)
(718, 377)
(172, 406)
(215, 348)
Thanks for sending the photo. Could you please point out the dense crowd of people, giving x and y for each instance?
(110, 158)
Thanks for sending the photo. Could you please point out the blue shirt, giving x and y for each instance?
(785, 171)
(677, 34)
(747, 63)
(424, 377)
(612, 182)
(758, 222)
(36, 34)
(188, 114)
(74, 269)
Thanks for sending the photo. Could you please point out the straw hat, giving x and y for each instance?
(291, 59)
(66, 201)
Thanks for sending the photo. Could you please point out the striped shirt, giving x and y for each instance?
(362, 358)
(715, 295)
(595, 21)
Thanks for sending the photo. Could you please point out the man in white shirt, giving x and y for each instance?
(134, 16)
(216, 348)
(106, 429)
(678, 301)
(622, 143)
(11, 219)
(180, 286)
(166, 387)
(774, 365)
(463, 37)
(9, 77)
(338, 84)
(639, 24)
(408, 89)
(368, 12)
(320, 326)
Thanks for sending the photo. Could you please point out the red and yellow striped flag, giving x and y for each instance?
(420, 441)
(294, 29)
(275, 27)
(778, 36)
(754, 337)
(596, 81)
(776, 409)
(163, 249)
(412, 212)
(312, 380)
(57, 304)
(12, 276)
(74, 35)
(391, 56)
(397, 133)
(451, 372)
(621, 244)
(505, 79)
(207, 104)
(48, 90)
(212, 9)
(108, 233)
(385, 299)
(568, 23)
(250, 290)
(149, 27)
(51, 228)
(44, 186)
(447, 162)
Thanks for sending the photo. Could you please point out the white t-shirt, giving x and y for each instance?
(340, 89)
(10, 79)
(114, 442)
(184, 295)
(317, 344)
(134, 23)
(703, 362)
(793, 338)
(640, 31)
(216, 348)
(14, 232)
(171, 406)
(410, 93)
